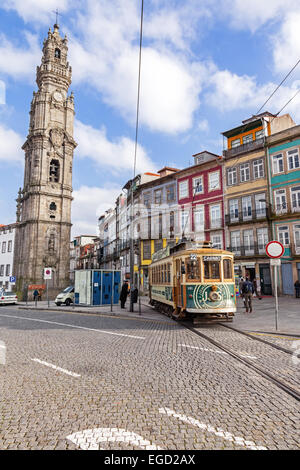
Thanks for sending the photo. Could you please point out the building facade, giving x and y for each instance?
(7, 242)
(246, 196)
(44, 203)
(200, 200)
(284, 175)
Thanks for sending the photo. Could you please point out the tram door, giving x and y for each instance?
(178, 294)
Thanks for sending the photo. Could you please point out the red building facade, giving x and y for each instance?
(200, 199)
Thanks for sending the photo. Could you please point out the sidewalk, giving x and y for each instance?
(262, 319)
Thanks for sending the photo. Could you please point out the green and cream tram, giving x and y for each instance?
(193, 280)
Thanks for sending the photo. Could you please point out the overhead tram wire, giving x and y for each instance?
(277, 88)
(134, 163)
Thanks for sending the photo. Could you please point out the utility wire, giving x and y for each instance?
(134, 163)
(278, 86)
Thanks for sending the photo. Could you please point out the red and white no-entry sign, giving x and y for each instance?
(47, 273)
(274, 249)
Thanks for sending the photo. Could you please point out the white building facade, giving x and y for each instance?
(7, 241)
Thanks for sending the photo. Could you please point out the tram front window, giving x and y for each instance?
(212, 269)
(193, 269)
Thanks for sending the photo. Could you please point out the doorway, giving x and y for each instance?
(265, 279)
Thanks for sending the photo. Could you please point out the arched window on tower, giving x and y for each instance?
(54, 171)
(52, 206)
(57, 53)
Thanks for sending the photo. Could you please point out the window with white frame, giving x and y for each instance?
(258, 168)
(231, 176)
(235, 143)
(248, 240)
(280, 201)
(7, 271)
(198, 185)
(259, 134)
(217, 240)
(215, 215)
(235, 240)
(284, 235)
(295, 198)
(262, 238)
(260, 205)
(244, 172)
(247, 139)
(199, 218)
(184, 221)
(278, 166)
(214, 180)
(293, 159)
(3, 247)
(247, 207)
(297, 238)
(2, 270)
(234, 209)
(183, 189)
(9, 246)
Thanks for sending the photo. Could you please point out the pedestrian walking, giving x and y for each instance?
(40, 294)
(255, 288)
(124, 294)
(247, 290)
(297, 289)
(241, 291)
(35, 294)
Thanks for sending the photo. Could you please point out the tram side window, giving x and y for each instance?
(212, 269)
(193, 269)
(169, 273)
(227, 268)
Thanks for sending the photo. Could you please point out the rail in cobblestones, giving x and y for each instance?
(287, 383)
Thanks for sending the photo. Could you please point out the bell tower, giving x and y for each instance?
(44, 203)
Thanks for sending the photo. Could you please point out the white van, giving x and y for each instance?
(65, 297)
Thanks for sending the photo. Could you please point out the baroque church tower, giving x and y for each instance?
(44, 203)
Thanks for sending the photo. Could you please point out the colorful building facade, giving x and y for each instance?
(284, 175)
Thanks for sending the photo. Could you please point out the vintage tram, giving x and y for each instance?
(193, 280)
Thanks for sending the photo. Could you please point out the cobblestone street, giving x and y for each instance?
(84, 381)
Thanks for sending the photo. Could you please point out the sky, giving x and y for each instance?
(206, 66)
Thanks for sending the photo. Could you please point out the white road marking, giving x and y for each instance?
(215, 351)
(73, 326)
(65, 371)
(91, 438)
(217, 431)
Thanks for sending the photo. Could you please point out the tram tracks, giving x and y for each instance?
(272, 367)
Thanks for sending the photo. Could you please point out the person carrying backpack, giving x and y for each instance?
(247, 290)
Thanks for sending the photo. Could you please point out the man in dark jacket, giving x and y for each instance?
(247, 290)
(124, 293)
(297, 289)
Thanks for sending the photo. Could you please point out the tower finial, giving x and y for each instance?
(56, 18)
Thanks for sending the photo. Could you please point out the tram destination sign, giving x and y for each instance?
(211, 258)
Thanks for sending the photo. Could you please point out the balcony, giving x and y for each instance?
(244, 251)
(255, 215)
(245, 148)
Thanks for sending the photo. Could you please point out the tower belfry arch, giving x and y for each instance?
(44, 202)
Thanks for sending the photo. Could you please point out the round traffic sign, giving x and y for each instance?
(274, 249)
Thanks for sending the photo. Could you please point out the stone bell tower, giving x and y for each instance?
(44, 203)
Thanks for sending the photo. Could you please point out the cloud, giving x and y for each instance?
(10, 148)
(252, 14)
(89, 203)
(286, 44)
(104, 53)
(20, 63)
(118, 155)
(36, 10)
